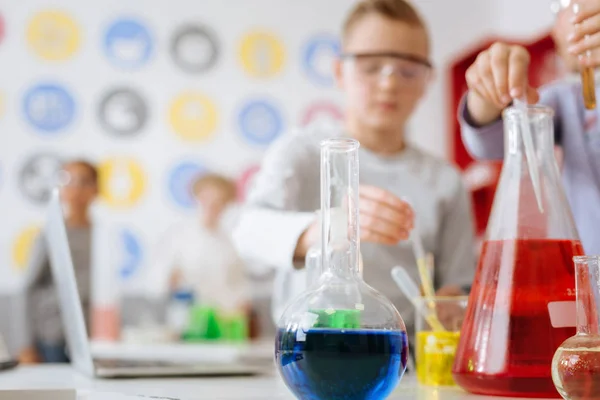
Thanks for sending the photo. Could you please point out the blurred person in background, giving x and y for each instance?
(79, 189)
(384, 72)
(499, 75)
(198, 256)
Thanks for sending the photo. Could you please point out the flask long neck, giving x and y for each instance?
(587, 288)
(339, 207)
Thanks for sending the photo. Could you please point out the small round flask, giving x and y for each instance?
(576, 363)
(341, 338)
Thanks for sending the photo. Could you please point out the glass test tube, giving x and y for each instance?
(588, 82)
(588, 86)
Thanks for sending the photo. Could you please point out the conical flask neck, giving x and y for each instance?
(530, 202)
(339, 207)
(539, 119)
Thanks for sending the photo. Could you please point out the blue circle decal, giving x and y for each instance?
(131, 254)
(181, 180)
(318, 57)
(260, 122)
(49, 107)
(128, 44)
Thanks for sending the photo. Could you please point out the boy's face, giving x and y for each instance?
(213, 201)
(80, 188)
(388, 75)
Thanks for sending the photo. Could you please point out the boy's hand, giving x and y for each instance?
(586, 22)
(498, 75)
(451, 315)
(384, 218)
(450, 291)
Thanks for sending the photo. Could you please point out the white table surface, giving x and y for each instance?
(268, 387)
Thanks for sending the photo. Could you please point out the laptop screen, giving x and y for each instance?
(66, 287)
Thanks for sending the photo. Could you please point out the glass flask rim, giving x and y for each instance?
(586, 259)
(340, 144)
(532, 109)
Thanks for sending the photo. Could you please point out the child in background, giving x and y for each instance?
(198, 255)
(500, 74)
(78, 192)
(384, 71)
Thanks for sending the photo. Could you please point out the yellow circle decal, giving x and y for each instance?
(122, 182)
(262, 54)
(22, 246)
(53, 35)
(193, 116)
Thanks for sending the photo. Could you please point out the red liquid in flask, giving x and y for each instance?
(507, 340)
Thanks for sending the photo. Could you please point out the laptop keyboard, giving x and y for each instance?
(130, 364)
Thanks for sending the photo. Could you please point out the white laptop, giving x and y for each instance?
(76, 332)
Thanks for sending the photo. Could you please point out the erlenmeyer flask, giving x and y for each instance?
(576, 363)
(523, 295)
(341, 339)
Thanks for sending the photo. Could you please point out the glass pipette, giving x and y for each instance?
(411, 291)
(426, 282)
(530, 152)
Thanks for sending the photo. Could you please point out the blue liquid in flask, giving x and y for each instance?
(348, 364)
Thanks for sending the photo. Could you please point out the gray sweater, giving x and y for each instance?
(45, 323)
(286, 193)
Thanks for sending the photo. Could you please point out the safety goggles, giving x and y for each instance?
(408, 69)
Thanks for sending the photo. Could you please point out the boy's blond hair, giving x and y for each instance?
(92, 169)
(220, 182)
(397, 10)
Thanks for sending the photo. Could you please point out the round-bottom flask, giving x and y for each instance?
(576, 363)
(341, 339)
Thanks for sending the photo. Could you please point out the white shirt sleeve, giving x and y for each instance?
(269, 227)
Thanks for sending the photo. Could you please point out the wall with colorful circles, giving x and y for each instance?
(155, 92)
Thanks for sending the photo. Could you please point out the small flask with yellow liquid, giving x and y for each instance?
(436, 343)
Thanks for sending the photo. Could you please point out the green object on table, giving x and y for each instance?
(204, 324)
(235, 328)
(209, 324)
(337, 319)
